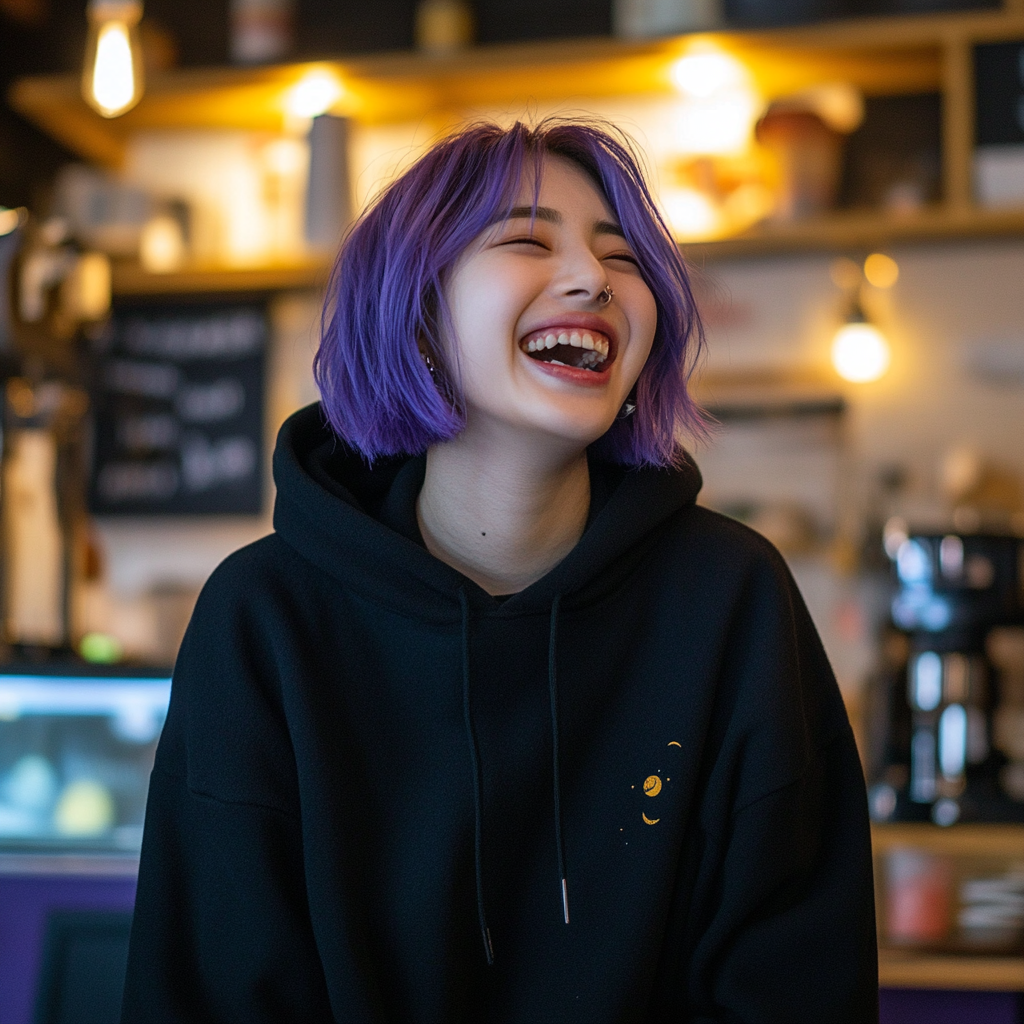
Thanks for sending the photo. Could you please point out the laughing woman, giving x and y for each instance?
(499, 725)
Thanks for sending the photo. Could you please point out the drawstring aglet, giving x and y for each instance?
(565, 900)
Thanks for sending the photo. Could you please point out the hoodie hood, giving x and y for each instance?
(329, 509)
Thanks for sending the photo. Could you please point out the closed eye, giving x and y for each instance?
(527, 240)
(626, 257)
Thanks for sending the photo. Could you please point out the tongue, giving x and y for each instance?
(566, 355)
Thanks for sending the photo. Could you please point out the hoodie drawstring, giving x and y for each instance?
(555, 760)
(474, 755)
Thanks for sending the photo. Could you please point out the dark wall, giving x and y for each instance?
(327, 27)
(34, 39)
(508, 20)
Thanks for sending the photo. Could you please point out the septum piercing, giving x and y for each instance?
(604, 296)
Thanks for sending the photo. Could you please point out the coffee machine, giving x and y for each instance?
(947, 711)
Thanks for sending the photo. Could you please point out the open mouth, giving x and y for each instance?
(582, 349)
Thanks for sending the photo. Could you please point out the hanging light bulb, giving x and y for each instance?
(313, 94)
(719, 104)
(112, 75)
(860, 351)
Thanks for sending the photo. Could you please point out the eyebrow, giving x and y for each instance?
(602, 227)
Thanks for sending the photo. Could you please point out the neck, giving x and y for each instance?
(504, 514)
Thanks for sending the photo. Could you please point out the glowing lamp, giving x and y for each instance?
(162, 244)
(691, 214)
(719, 104)
(705, 71)
(314, 94)
(881, 271)
(860, 352)
(9, 220)
(112, 78)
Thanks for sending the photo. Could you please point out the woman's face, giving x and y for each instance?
(539, 351)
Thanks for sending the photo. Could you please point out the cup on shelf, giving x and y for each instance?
(918, 897)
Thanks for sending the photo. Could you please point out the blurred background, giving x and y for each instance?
(846, 181)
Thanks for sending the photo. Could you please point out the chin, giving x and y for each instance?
(571, 426)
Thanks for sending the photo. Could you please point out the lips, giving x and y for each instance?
(580, 343)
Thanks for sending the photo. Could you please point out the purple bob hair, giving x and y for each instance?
(386, 299)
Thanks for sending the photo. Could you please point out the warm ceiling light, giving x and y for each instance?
(314, 94)
(706, 70)
(881, 271)
(719, 104)
(9, 220)
(162, 244)
(860, 352)
(112, 74)
(690, 213)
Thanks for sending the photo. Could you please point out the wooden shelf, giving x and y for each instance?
(129, 279)
(905, 969)
(956, 841)
(859, 230)
(881, 56)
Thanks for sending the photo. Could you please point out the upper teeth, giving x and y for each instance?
(575, 339)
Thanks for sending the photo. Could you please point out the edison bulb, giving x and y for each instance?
(717, 125)
(881, 271)
(112, 75)
(705, 71)
(718, 104)
(860, 352)
(161, 245)
(691, 214)
(314, 94)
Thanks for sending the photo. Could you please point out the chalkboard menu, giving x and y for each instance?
(178, 400)
(999, 93)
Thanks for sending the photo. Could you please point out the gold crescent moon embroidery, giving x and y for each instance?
(652, 785)
(674, 743)
(649, 820)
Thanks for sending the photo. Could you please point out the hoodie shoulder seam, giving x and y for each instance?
(200, 795)
(775, 790)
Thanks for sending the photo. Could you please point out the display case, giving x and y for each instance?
(76, 750)
(950, 904)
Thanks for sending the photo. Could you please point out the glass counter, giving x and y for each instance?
(76, 751)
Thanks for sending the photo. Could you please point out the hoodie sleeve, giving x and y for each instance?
(222, 930)
(781, 920)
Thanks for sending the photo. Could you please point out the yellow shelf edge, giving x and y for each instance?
(129, 279)
(907, 969)
(958, 840)
(394, 86)
(841, 230)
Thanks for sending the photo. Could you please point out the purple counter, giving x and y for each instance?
(934, 1006)
(32, 887)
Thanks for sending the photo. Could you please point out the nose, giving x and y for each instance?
(582, 277)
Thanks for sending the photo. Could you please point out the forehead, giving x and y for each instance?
(564, 186)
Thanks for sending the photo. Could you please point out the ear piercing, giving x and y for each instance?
(604, 296)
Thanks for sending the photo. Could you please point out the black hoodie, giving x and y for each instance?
(374, 776)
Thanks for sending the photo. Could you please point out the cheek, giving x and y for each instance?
(643, 322)
(482, 314)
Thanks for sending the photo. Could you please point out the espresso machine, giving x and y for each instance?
(948, 708)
